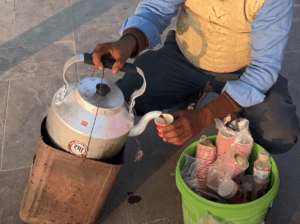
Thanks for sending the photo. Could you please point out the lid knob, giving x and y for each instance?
(102, 89)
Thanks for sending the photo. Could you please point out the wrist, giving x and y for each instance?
(130, 42)
(141, 40)
(207, 117)
(222, 106)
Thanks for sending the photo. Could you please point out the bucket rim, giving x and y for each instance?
(181, 184)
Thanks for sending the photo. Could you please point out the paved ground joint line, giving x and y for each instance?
(15, 6)
(162, 219)
(4, 124)
(14, 22)
(63, 41)
(36, 45)
(75, 52)
(19, 168)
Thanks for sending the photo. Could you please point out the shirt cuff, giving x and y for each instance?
(243, 93)
(146, 27)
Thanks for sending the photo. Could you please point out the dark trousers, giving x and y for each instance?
(173, 82)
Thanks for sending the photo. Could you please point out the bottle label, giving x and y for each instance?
(261, 174)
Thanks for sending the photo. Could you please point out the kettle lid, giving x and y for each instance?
(100, 92)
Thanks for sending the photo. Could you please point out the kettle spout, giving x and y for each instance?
(141, 126)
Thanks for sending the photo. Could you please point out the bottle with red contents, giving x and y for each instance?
(240, 196)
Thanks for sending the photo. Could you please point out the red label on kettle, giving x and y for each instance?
(84, 123)
(76, 147)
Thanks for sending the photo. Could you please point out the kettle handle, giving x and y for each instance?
(108, 63)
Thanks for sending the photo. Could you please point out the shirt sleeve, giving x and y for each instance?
(269, 35)
(153, 17)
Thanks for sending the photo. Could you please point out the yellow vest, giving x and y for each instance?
(214, 35)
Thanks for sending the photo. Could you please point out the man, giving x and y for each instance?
(233, 47)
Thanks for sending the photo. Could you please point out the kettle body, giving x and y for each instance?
(86, 122)
(74, 128)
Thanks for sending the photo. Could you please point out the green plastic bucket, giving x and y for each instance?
(197, 210)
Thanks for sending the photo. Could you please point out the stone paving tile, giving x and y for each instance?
(88, 37)
(126, 9)
(55, 53)
(6, 28)
(13, 55)
(7, 8)
(20, 62)
(28, 104)
(294, 37)
(94, 12)
(12, 187)
(40, 22)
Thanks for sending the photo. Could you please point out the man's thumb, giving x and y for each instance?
(118, 65)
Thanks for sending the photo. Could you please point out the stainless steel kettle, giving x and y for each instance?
(91, 118)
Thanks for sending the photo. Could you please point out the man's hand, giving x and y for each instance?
(119, 50)
(186, 125)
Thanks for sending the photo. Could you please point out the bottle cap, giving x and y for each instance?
(264, 156)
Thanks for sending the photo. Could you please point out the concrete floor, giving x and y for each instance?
(36, 39)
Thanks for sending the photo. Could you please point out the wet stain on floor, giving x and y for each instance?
(133, 198)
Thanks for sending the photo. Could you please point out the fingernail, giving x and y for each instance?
(114, 71)
(164, 139)
(101, 68)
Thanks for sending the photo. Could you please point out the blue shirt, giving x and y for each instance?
(269, 35)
